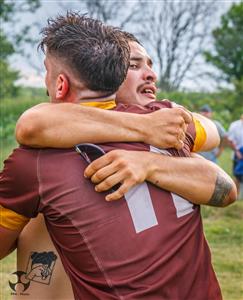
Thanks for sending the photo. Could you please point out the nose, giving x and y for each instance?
(149, 74)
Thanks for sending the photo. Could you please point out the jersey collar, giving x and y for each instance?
(103, 105)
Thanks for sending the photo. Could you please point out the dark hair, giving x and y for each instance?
(130, 37)
(98, 54)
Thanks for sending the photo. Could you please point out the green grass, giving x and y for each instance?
(223, 227)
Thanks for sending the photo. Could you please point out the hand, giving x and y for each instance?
(118, 166)
(39, 271)
(166, 127)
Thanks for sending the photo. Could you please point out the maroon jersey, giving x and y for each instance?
(149, 245)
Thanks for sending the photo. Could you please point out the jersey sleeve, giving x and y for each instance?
(200, 136)
(11, 220)
(19, 188)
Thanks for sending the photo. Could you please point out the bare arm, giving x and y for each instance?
(202, 183)
(8, 240)
(64, 125)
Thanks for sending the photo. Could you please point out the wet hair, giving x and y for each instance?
(97, 54)
(130, 37)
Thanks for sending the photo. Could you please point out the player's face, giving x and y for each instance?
(139, 85)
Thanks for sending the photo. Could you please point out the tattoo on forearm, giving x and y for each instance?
(221, 191)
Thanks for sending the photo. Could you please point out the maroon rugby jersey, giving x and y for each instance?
(148, 246)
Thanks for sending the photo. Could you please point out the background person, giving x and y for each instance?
(213, 154)
(235, 137)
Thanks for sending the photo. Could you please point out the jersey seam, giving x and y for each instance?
(38, 173)
(99, 265)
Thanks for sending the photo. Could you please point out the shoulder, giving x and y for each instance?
(20, 160)
(19, 182)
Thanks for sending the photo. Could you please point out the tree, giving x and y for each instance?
(227, 55)
(176, 33)
(119, 13)
(8, 76)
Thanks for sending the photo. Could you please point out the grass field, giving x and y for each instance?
(223, 229)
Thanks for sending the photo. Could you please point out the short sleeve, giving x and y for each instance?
(201, 135)
(19, 187)
(11, 220)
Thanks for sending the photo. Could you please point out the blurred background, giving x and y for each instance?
(197, 49)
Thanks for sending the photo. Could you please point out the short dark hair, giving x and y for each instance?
(131, 37)
(97, 53)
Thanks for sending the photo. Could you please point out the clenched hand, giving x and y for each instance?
(166, 127)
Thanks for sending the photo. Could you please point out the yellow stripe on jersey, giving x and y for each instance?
(103, 105)
(12, 220)
(201, 136)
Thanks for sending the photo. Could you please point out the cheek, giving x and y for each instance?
(131, 81)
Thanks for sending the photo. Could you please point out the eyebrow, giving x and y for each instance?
(137, 58)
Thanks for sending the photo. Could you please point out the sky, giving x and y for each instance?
(32, 70)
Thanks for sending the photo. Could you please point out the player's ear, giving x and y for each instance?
(62, 87)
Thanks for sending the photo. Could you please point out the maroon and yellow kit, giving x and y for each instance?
(148, 246)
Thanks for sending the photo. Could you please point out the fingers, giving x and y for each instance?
(124, 188)
(179, 145)
(103, 173)
(184, 113)
(108, 182)
(96, 165)
(184, 127)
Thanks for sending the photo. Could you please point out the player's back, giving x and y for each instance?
(149, 245)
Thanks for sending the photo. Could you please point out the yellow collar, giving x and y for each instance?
(103, 105)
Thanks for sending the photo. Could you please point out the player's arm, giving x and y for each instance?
(8, 240)
(195, 179)
(63, 125)
(19, 193)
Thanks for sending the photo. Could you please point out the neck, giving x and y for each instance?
(97, 97)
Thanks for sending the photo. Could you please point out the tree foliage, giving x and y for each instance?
(228, 45)
(177, 32)
(8, 76)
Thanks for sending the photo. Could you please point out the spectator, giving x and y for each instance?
(235, 138)
(213, 154)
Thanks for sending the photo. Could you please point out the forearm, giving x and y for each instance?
(64, 125)
(195, 179)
